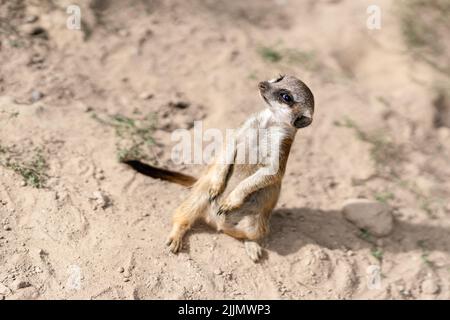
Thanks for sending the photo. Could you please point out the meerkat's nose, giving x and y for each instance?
(263, 86)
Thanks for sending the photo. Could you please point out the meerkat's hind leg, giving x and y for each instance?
(175, 239)
(185, 216)
(250, 236)
(253, 250)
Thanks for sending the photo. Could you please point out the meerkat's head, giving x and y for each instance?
(289, 99)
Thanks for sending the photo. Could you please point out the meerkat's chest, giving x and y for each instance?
(256, 146)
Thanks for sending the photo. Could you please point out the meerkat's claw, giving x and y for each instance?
(223, 209)
(229, 204)
(254, 250)
(213, 193)
(212, 197)
(174, 244)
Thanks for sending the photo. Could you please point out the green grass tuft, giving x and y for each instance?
(33, 171)
(270, 54)
(135, 136)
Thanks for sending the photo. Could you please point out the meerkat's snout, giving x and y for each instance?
(290, 98)
(263, 86)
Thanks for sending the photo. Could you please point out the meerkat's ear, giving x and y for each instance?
(302, 122)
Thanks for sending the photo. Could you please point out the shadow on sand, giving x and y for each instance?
(291, 229)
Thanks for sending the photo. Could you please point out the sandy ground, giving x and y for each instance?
(77, 224)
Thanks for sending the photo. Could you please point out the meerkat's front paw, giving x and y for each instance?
(214, 191)
(175, 244)
(232, 202)
(224, 209)
(254, 250)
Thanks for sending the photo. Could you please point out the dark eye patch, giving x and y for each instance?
(286, 97)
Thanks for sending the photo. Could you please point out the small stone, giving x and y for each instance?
(6, 228)
(429, 286)
(120, 270)
(101, 199)
(373, 216)
(31, 19)
(100, 176)
(146, 96)
(218, 272)
(126, 280)
(36, 96)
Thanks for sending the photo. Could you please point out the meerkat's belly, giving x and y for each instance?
(247, 162)
(257, 205)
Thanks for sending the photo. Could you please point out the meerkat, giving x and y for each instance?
(238, 198)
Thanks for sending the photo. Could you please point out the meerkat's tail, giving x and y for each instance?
(163, 174)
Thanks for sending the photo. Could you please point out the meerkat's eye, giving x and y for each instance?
(286, 97)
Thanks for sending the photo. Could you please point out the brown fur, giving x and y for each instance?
(238, 199)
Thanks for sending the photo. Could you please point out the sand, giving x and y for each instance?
(95, 229)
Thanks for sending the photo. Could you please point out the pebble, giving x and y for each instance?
(6, 228)
(100, 175)
(429, 286)
(36, 95)
(31, 19)
(120, 270)
(146, 96)
(101, 199)
(218, 272)
(126, 280)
